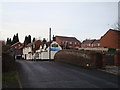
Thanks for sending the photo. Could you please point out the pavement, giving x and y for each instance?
(111, 69)
(50, 74)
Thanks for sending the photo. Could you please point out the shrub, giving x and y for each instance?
(8, 61)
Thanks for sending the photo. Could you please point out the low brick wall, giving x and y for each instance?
(81, 58)
(117, 59)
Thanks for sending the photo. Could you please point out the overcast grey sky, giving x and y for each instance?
(79, 19)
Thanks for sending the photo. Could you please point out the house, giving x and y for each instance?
(90, 43)
(17, 45)
(17, 48)
(67, 42)
(96, 44)
(111, 39)
(30, 49)
(87, 43)
(41, 50)
(48, 51)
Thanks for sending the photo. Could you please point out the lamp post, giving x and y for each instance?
(50, 43)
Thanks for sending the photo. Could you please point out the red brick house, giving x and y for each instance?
(17, 48)
(96, 44)
(111, 39)
(87, 43)
(67, 42)
(17, 45)
(90, 43)
(36, 45)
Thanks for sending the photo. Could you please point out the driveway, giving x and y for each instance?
(50, 74)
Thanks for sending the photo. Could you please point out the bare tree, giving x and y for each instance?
(116, 26)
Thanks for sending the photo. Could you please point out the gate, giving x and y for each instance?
(109, 59)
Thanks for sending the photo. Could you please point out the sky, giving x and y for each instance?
(83, 20)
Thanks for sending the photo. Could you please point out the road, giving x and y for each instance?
(50, 74)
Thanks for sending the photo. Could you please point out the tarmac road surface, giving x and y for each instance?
(50, 74)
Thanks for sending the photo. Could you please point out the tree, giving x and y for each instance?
(29, 39)
(25, 41)
(15, 39)
(33, 39)
(116, 26)
(9, 42)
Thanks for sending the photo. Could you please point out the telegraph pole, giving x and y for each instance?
(50, 43)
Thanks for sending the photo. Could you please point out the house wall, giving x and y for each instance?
(110, 40)
(58, 41)
(26, 54)
(86, 46)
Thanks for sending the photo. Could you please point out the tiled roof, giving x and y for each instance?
(96, 42)
(64, 38)
(30, 44)
(15, 44)
(88, 41)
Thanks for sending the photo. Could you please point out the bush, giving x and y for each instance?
(8, 61)
(111, 50)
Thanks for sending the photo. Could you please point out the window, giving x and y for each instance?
(70, 42)
(54, 45)
(75, 42)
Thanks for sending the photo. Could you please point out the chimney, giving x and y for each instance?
(54, 39)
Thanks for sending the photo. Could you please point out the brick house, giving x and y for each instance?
(87, 43)
(96, 44)
(17, 48)
(67, 42)
(111, 39)
(17, 45)
(90, 43)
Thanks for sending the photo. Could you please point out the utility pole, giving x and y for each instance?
(50, 43)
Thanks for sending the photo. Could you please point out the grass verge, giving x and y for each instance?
(10, 79)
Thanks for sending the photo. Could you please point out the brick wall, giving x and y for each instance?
(85, 59)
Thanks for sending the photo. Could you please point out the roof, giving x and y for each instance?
(96, 42)
(16, 43)
(111, 30)
(64, 38)
(88, 41)
(30, 44)
(35, 42)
